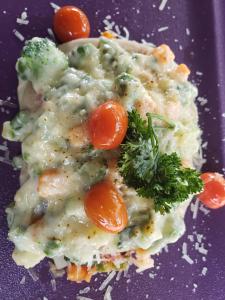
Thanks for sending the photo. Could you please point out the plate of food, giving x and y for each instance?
(111, 151)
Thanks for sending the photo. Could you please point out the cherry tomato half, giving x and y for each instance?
(107, 125)
(213, 195)
(70, 23)
(106, 209)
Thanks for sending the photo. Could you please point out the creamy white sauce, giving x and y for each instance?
(55, 211)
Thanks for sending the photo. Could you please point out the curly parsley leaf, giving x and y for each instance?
(153, 174)
(139, 152)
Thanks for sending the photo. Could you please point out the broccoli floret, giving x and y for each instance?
(41, 62)
(18, 128)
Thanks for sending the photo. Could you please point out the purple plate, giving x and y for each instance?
(195, 31)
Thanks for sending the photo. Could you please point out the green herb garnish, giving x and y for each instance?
(153, 174)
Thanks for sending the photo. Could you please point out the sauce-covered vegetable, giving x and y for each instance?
(76, 205)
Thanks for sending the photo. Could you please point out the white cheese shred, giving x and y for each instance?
(107, 280)
(187, 31)
(163, 28)
(18, 35)
(204, 271)
(202, 250)
(127, 34)
(199, 73)
(83, 298)
(7, 103)
(194, 208)
(5, 161)
(188, 259)
(3, 147)
(107, 295)
(185, 255)
(184, 248)
(191, 238)
(54, 6)
(22, 281)
(204, 210)
(24, 15)
(22, 21)
(51, 33)
(118, 276)
(166, 248)
(85, 290)
(112, 27)
(32, 274)
(53, 284)
(162, 5)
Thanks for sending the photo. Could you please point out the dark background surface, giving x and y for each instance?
(202, 51)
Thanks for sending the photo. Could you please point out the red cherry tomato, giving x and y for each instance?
(107, 125)
(213, 195)
(70, 23)
(106, 209)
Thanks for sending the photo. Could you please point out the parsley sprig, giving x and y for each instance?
(155, 175)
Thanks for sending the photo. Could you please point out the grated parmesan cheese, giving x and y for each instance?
(162, 5)
(118, 276)
(53, 284)
(202, 250)
(113, 28)
(204, 258)
(7, 103)
(3, 147)
(194, 287)
(85, 290)
(22, 22)
(117, 29)
(22, 281)
(54, 6)
(51, 33)
(32, 274)
(163, 28)
(107, 280)
(199, 237)
(23, 19)
(185, 255)
(166, 248)
(194, 209)
(191, 238)
(152, 275)
(198, 73)
(184, 248)
(107, 295)
(127, 34)
(188, 259)
(18, 35)
(204, 271)
(188, 31)
(24, 15)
